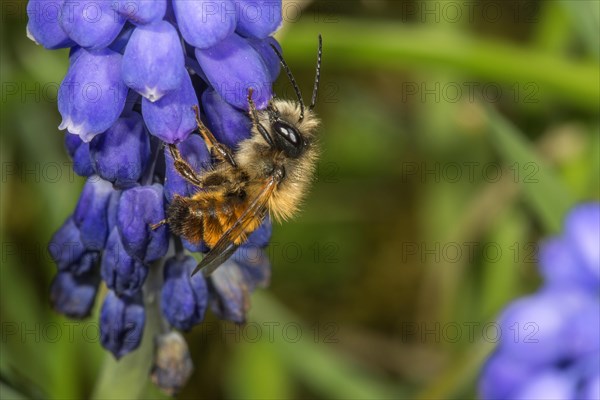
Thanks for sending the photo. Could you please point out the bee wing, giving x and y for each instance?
(226, 246)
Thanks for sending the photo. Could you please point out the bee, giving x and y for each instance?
(269, 173)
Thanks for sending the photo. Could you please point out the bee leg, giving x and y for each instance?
(183, 167)
(219, 150)
(254, 117)
(158, 224)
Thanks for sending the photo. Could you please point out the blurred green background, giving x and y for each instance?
(455, 135)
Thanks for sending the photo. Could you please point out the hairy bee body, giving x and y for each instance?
(205, 217)
(269, 173)
(214, 209)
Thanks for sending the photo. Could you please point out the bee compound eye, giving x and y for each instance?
(288, 132)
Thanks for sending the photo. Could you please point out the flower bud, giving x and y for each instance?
(91, 24)
(141, 11)
(92, 95)
(251, 258)
(172, 363)
(112, 209)
(204, 23)
(583, 330)
(121, 154)
(122, 322)
(258, 18)
(228, 124)
(90, 215)
(232, 67)
(572, 260)
(80, 154)
(269, 57)
(184, 297)
(172, 118)
(122, 273)
(153, 60)
(43, 26)
(73, 295)
(139, 208)
(230, 296)
(67, 249)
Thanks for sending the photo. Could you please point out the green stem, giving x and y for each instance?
(459, 375)
(542, 190)
(354, 44)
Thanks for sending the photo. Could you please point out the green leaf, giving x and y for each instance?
(459, 375)
(501, 281)
(354, 44)
(257, 372)
(542, 191)
(326, 372)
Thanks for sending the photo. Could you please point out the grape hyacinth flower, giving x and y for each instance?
(550, 347)
(136, 70)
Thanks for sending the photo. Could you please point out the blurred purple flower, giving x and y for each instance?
(555, 350)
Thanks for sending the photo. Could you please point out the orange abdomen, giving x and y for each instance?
(206, 216)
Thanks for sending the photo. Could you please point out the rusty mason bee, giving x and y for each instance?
(269, 173)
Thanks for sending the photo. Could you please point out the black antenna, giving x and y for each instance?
(292, 80)
(317, 75)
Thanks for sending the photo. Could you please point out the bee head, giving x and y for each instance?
(288, 123)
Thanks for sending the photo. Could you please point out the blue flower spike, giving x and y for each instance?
(137, 69)
(555, 352)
